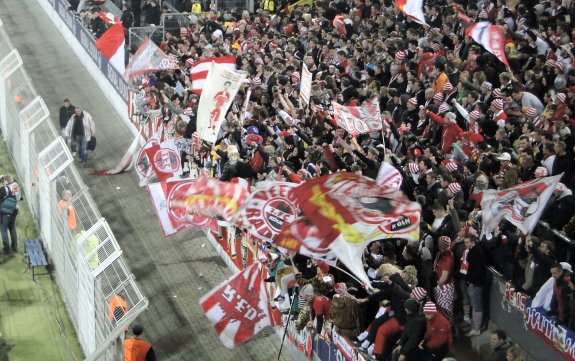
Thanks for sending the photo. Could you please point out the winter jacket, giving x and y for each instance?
(449, 134)
(413, 333)
(345, 315)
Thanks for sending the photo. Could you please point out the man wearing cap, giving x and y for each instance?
(438, 336)
(508, 175)
(136, 349)
(408, 345)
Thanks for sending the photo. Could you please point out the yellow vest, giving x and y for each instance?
(196, 8)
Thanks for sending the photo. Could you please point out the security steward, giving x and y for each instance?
(136, 349)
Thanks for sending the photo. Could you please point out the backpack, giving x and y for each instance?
(9, 203)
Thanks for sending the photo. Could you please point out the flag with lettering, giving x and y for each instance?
(521, 205)
(158, 157)
(305, 84)
(238, 308)
(491, 37)
(168, 199)
(148, 58)
(267, 209)
(351, 210)
(365, 118)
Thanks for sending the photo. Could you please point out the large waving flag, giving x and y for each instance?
(167, 199)
(218, 93)
(351, 210)
(413, 9)
(521, 205)
(208, 197)
(158, 157)
(358, 119)
(201, 68)
(149, 58)
(491, 37)
(238, 308)
(267, 209)
(111, 45)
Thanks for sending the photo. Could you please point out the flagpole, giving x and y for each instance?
(295, 295)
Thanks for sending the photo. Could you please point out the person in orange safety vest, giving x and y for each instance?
(136, 349)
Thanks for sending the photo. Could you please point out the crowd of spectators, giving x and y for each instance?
(457, 122)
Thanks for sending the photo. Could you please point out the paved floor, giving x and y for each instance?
(167, 270)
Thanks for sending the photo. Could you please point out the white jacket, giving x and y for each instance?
(89, 126)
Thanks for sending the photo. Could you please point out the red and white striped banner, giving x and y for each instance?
(491, 37)
(200, 70)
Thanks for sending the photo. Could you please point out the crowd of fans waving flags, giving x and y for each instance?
(331, 217)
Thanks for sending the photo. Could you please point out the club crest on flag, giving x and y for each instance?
(268, 209)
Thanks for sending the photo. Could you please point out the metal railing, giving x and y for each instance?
(87, 260)
(137, 35)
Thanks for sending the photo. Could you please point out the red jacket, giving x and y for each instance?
(450, 133)
(438, 332)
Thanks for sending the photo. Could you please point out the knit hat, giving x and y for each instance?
(541, 172)
(429, 307)
(531, 112)
(454, 187)
(559, 65)
(438, 97)
(497, 104)
(474, 115)
(413, 168)
(444, 242)
(418, 293)
(561, 97)
(413, 101)
(443, 108)
(256, 81)
(550, 63)
(296, 75)
(486, 85)
(324, 267)
(447, 87)
(451, 166)
(482, 14)
(497, 93)
(400, 55)
(188, 111)
(411, 305)
(190, 62)
(435, 46)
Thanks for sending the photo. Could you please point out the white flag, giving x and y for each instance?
(358, 119)
(305, 84)
(521, 205)
(218, 94)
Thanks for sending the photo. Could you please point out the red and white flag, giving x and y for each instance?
(491, 37)
(218, 93)
(199, 72)
(158, 157)
(109, 17)
(111, 45)
(267, 209)
(167, 199)
(521, 205)
(461, 15)
(350, 211)
(413, 9)
(358, 119)
(305, 84)
(238, 309)
(208, 197)
(149, 58)
(388, 176)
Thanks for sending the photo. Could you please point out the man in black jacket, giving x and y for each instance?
(412, 335)
(475, 276)
(66, 112)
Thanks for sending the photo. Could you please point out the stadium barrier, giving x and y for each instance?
(86, 258)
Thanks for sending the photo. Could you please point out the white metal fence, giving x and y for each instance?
(87, 260)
